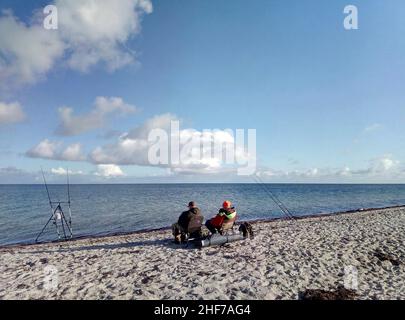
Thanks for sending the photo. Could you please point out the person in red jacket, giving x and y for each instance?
(226, 214)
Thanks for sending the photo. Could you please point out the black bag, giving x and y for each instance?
(247, 230)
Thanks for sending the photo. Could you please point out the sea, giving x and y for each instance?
(119, 208)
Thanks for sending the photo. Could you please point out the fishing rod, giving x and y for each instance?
(47, 190)
(70, 211)
(51, 203)
(279, 203)
(275, 199)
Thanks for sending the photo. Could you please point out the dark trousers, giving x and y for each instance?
(177, 230)
(210, 227)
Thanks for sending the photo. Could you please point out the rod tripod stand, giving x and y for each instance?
(58, 218)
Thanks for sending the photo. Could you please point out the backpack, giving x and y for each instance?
(247, 230)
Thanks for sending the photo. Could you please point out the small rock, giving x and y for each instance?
(138, 292)
(146, 280)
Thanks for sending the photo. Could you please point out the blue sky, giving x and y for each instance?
(327, 103)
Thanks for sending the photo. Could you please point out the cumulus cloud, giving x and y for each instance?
(103, 106)
(383, 164)
(199, 152)
(97, 31)
(72, 153)
(89, 33)
(11, 113)
(109, 171)
(52, 150)
(45, 149)
(133, 148)
(26, 52)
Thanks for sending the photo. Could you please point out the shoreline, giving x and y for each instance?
(285, 259)
(141, 231)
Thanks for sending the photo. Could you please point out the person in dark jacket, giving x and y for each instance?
(189, 223)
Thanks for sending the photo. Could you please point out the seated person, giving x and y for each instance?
(189, 223)
(227, 214)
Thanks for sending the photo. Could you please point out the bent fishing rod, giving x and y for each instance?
(275, 199)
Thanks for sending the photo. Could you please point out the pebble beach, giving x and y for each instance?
(362, 251)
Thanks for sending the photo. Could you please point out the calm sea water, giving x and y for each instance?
(105, 209)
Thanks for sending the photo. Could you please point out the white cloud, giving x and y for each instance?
(11, 113)
(63, 172)
(96, 31)
(45, 149)
(345, 172)
(59, 171)
(383, 164)
(89, 32)
(103, 106)
(161, 121)
(52, 150)
(26, 52)
(109, 171)
(132, 148)
(384, 167)
(73, 153)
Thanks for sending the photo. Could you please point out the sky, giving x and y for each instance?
(327, 103)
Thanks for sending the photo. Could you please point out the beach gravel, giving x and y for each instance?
(363, 252)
